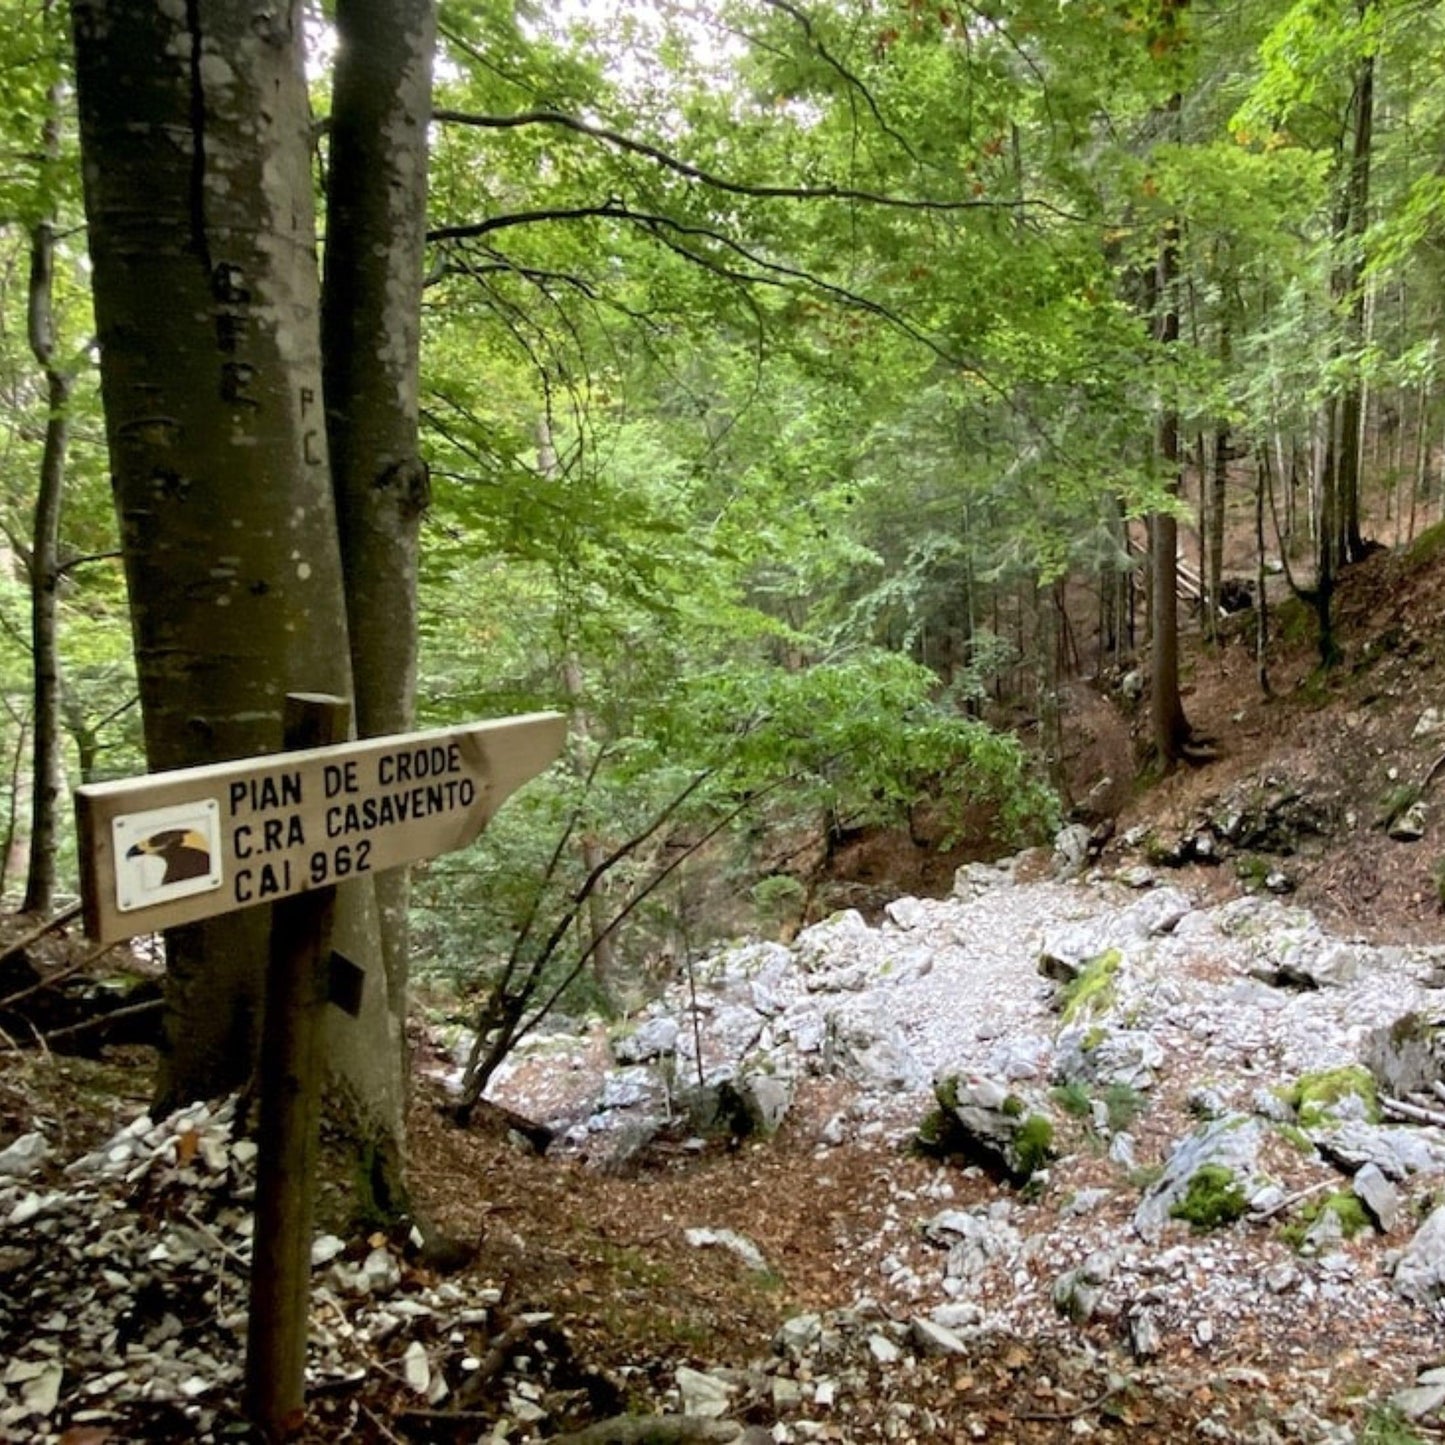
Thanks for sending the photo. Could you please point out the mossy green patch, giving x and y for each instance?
(946, 1091)
(932, 1135)
(1342, 1204)
(1092, 992)
(1252, 870)
(1145, 1176)
(1314, 1096)
(1437, 877)
(1296, 1136)
(1013, 1106)
(1397, 800)
(1213, 1198)
(1385, 1425)
(1427, 546)
(1033, 1145)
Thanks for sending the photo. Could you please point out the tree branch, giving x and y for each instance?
(805, 23)
(769, 273)
(740, 188)
(65, 567)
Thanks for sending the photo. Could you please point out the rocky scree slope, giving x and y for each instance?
(1233, 1121)
(1181, 1179)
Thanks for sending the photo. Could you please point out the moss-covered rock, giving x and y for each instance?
(1212, 1198)
(1092, 992)
(1207, 1180)
(1349, 1214)
(1407, 1056)
(1317, 1098)
(983, 1122)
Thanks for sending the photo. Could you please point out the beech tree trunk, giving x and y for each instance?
(195, 136)
(371, 340)
(371, 334)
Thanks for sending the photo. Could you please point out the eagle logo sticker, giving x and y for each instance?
(166, 853)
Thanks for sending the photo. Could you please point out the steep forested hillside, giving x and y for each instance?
(888, 434)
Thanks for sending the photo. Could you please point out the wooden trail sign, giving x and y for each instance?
(171, 848)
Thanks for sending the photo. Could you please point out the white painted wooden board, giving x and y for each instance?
(171, 848)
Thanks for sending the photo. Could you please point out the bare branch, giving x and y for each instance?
(611, 209)
(65, 567)
(742, 188)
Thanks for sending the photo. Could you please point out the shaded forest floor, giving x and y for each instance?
(604, 1255)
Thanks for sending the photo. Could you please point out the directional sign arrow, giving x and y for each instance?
(175, 847)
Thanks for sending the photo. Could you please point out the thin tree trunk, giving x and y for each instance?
(1218, 495)
(1261, 576)
(371, 339)
(1201, 524)
(1351, 235)
(1169, 727)
(1327, 547)
(45, 552)
(1046, 682)
(604, 956)
(10, 857)
(83, 733)
(1422, 448)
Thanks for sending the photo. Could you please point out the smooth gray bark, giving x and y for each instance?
(371, 325)
(195, 136)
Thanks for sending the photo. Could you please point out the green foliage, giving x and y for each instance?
(1297, 1138)
(1385, 1425)
(1092, 991)
(1072, 1098)
(1313, 1097)
(931, 1138)
(1252, 869)
(1124, 1103)
(773, 372)
(1345, 1207)
(1427, 546)
(778, 898)
(1033, 1146)
(1398, 799)
(861, 740)
(1212, 1199)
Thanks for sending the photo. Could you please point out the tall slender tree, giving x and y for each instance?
(44, 559)
(371, 341)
